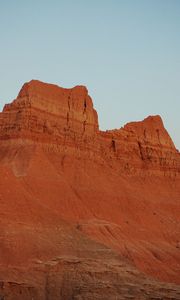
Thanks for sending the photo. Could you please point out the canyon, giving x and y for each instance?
(85, 213)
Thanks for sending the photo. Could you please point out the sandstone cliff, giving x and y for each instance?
(49, 114)
(85, 214)
(46, 109)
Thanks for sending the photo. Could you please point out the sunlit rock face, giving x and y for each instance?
(47, 109)
(85, 214)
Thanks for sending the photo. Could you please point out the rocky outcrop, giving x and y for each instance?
(43, 110)
(73, 278)
(49, 114)
(85, 214)
(144, 147)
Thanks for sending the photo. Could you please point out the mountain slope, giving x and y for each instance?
(77, 199)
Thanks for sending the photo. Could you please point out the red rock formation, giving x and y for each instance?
(65, 183)
(144, 146)
(46, 109)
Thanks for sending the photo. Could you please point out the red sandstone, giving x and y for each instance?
(68, 189)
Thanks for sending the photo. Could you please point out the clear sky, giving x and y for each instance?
(127, 52)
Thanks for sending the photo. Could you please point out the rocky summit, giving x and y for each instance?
(85, 214)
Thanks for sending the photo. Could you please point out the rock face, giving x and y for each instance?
(49, 114)
(85, 214)
(144, 146)
(46, 109)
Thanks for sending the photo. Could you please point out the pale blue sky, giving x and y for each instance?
(126, 52)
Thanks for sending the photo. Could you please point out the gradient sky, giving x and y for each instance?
(126, 52)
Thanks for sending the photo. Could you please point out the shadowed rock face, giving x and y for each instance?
(85, 214)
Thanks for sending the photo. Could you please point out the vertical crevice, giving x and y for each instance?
(69, 103)
(67, 118)
(141, 151)
(145, 135)
(158, 135)
(113, 145)
(85, 106)
(85, 116)
(69, 108)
